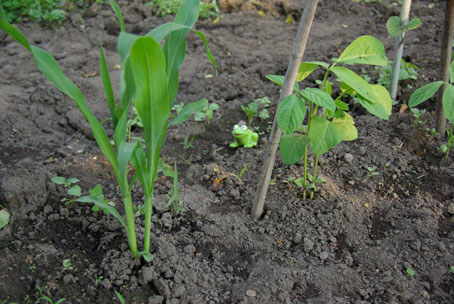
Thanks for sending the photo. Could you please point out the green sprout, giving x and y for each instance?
(42, 296)
(72, 190)
(207, 113)
(371, 172)
(67, 265)
(257, 108)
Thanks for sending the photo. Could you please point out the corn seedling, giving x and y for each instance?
(98, 279)
(120, 297)
(149, 80)
(72, 190)
(43, 297)
(256, 108)
(427, 91)
(174, 198)
(327, 122)
(238, 177)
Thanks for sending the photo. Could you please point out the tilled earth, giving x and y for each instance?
(357, 241)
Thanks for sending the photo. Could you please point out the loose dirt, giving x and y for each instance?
(355, 242)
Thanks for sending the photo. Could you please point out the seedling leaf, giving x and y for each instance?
(291, 113)
(59, 180)
(72, 180)
(323, 135)
(423, 93)
(364, 50)
(74, 191)
(101, 204)
(448, 102)
(319, 97)
(305, 69)
(292, 147)
(278, 79)
(4, 218)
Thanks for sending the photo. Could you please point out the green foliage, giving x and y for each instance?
(67, 265)
(371, 172)
(120, 297)
(427, 91)
(72, 190)
(382, 75)
(206, 114)
(256, 108)
(394, 27)
(417, 115)
(43, 297)
(410, 272)
(4, 218)
(170, 7)
(312, 118)
(38, 10)
(149, 78)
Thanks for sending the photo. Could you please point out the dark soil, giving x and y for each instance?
(353, 243)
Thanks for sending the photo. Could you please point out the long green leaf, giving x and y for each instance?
(152, 103)
(190, 109)
(175, 44)
(423, 93)
(102, 205)
(138, 161)
(448, 103)
(356, 82)
(292, 147)
(364, 50)
(117, 11)
(291, 113)
(49, 67)
(107, 83)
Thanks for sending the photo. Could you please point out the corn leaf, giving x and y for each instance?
(107, 83)
(117, 11)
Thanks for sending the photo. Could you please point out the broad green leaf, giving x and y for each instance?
(292, 147)
(383, 107)
(423, 93)
(278, 79)
(451, 72)
(291, 113)
(393, 26)
(72, 180)
(346, 125)
(59, 180)
(356, 82)
(448, 103)
(320, 63)
(117, 11)
(319, 97)
(323, 135)
(364, 50)
(190, 109)
(4, 218)
(305, 70)
(412, 24)
(74, 190)
(341, 105)
(107, 83)
(102, 205)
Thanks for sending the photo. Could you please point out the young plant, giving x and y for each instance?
(327, 122)
(417, 115)
(149, 77)
(427, 91)
(4, 218)
(67, 265)
(73, 190)
(174, 198)
(47, 299)
(256, 108)
(371, 172)
(206, 114)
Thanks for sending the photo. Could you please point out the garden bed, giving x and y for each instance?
(385, 238)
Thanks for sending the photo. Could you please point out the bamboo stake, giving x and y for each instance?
(287, 88)
(404, 14)
(445, 61)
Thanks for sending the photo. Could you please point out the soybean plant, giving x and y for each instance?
(149, 80)
(427, 91)
(327, 122)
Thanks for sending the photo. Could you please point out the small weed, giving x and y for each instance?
(207, 113)
(120, 297)
(32, 268)
(73, 190)
(188, 143)
(257, 108)
(451, 269)
(4, 217)
(372, 172)
(46, 298)
(98, 279)
(67, 266)
(238, 177)
(417, 115)
(410, 272)
(170, 7)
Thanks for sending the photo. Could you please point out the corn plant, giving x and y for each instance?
(327, 122)
(149, 79)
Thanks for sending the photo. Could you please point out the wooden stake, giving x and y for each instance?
(287, 88)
